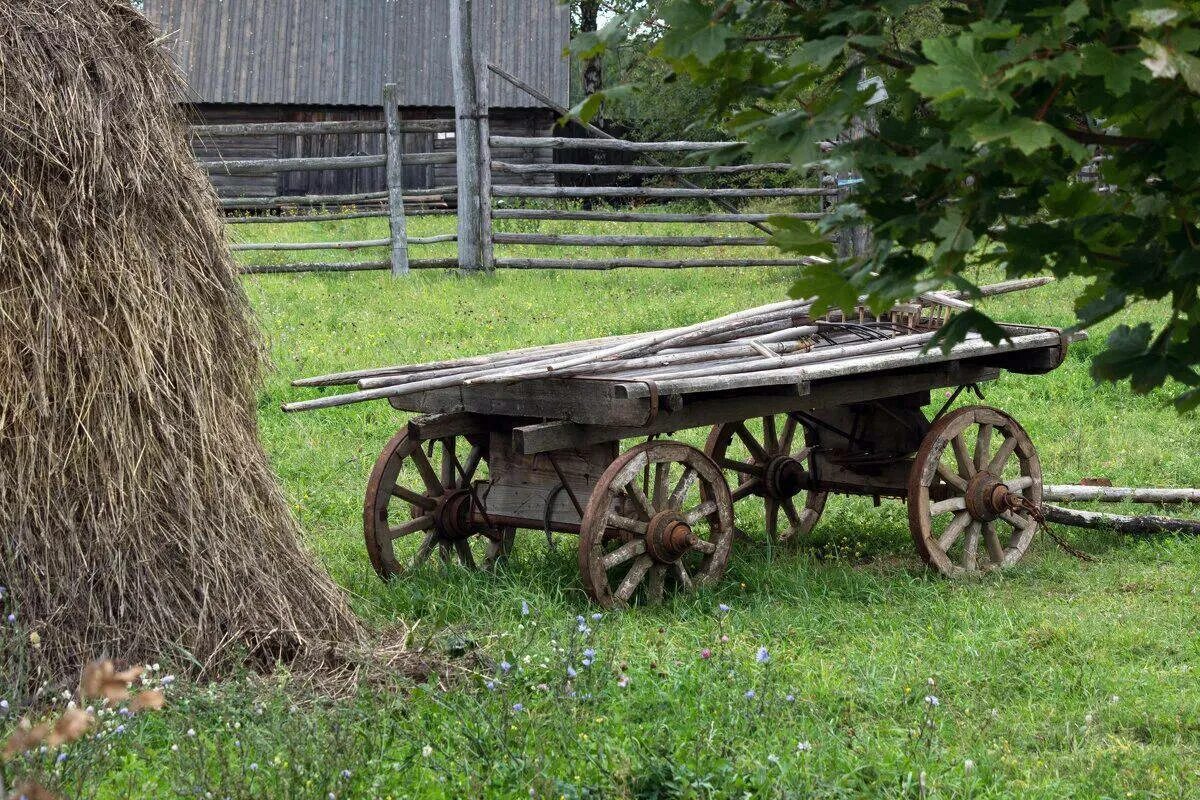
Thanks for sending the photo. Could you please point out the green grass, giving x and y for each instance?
(1057, 679)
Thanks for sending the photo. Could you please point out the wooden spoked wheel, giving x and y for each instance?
(420, 499)
(971, 490)
(660, 518)
(770, 458)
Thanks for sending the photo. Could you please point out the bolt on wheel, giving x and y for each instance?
(660, 518)
(974, 491)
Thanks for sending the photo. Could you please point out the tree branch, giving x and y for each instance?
(1105, 139)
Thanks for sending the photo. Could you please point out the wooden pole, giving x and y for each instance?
(601, 133)
(395, 180)
(1121, 523)
(1119, 494)
(487, 246)
(467, 138)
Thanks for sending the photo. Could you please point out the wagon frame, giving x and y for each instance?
(661, 515)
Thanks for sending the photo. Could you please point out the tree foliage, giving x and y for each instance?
(994, 113)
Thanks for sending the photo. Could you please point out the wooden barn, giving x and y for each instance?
(307, 60)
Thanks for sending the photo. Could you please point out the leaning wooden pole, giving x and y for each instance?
(395, 181)
(467, 137)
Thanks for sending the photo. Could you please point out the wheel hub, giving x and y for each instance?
(668, 537)
(453, 515)
(986, 497)
(785, 477)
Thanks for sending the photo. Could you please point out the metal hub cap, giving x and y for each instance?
(453, 515)
(785, 478)
(668, 537)
(986, 497)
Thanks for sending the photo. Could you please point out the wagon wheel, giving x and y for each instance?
(414, 494)
(764, 459)
(660, 516)
(974, 479)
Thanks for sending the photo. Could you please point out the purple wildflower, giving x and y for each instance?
(762, 656)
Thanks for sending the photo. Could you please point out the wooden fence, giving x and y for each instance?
(390, 204)
(475, 197)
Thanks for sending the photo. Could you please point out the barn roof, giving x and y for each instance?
(334, 52)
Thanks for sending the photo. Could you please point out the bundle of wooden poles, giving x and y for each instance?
(763, 339)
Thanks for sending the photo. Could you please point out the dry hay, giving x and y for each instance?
(140, 514)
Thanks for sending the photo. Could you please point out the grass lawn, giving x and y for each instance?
(1056, 679)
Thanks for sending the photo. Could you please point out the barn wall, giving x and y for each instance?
(334, 52)
(506, 122)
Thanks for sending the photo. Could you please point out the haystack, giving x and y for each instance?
(140, 514)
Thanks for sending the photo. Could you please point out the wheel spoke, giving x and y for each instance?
(770, 437)
(705, 546)
(957, 525)
(740, 466)
(654, 584)
(756, 450)
(1018, 522)
(966, 467)
(793, 516)
(409, 496)
(421, 461)
(446, 552)
(1019, 484)
(662, 474)
(772, 519)
(633, 578)
(789, 433)
(683, 487)
(463, 546)
(472, 464)
(624, 553)
(942, 506)
(745, 490)
(425, 549)
(685, 580)
(449, 477)
(951, 477)
(422, 523)
(1007, 447)
(994, 548)
(700, 512)
(639, 497)
(971, 548)
(983, 446)
(627, 524)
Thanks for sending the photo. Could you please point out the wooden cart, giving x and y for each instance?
(545, 455)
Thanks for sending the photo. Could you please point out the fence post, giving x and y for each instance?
(468, 126)
(395, 181)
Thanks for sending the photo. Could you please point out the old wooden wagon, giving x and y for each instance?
(798, 408)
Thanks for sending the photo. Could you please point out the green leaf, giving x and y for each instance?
(798, 236)
(1130, 354)
(691, 31)
(960, 69)
(963, 323)
(819, 52)
(828, 285)
(1116, 70)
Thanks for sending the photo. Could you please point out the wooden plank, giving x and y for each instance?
(549, 398)
(1118, 494)
(341, 127)
(275, 165)
(619, 145)
(354, 266)
(268, 219)
(438, 426)
(397, 225)
(634, 169)
(714, 410)
(634, 216)
(284, 246)
(576, 240)
(508, 190)
(646, 263)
